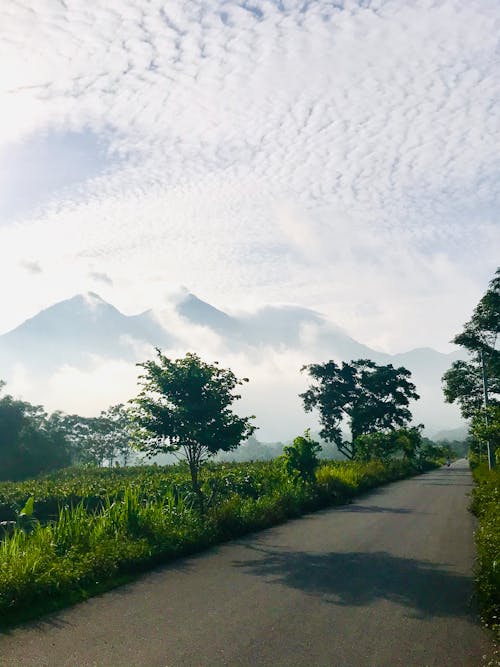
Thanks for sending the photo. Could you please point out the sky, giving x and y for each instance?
(340, 155)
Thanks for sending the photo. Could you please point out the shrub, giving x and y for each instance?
(301, 458)
(485, 504)
(145, 517)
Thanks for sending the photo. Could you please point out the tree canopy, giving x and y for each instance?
(368, 396)
(185, 407)
(31, 441)
(475, 384)
(301, 458)
(95, 440)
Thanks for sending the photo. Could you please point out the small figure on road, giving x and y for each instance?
(448, 462)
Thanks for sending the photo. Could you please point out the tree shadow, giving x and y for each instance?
(60, 615)
(373, 509)
(445, 483)
(359, 579)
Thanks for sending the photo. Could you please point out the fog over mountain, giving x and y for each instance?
(79, 356)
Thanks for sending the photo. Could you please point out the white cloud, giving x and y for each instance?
(87, 392)
(343, 156)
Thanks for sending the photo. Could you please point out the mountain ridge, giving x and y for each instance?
(78, 331)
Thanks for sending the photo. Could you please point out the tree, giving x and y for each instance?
(383, 445)
(301, 458)
(485, 427)
(184, 407)
(94, 440)
(368, 396)
(119, 432)
(30, 440)
(435, 450)
(463, 383)
(475, 384)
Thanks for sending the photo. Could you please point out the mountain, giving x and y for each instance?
(85, 330)
(72, 331)
(455, 434)
(275, 326)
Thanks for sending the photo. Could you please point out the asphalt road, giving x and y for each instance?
(384, 581)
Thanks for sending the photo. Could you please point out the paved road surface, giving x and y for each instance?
(385, 581)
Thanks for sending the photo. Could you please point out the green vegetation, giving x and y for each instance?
(69, 534)
(33, 442)
(485, 505)
(128, 520)
(302, 458)
(30, 440)
(371, 398)
(475, 386)
(184, 406)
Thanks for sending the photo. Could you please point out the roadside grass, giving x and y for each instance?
(91, 547)
(486, 506)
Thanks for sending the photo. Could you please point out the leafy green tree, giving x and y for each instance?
(94, 440)
(301, 458)
(463, 383)
(485, 427)
(30, 440)
(377, 446)
(432, 450)
(409, 441)
(185, 408)
(475, 384)
(384, 445)
(368, 396)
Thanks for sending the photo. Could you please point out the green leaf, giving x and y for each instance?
(29, 507)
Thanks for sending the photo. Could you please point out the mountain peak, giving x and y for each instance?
(200, 312)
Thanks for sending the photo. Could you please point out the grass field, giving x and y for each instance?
(91, 528)
(486, 506)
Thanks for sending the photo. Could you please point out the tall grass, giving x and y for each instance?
(83, 549)
(486, 506)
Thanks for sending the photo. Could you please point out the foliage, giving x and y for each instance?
(382, 446)
(184, 406)
(301, 458)
(463, 382)
(438, 451)
(94, 440)
(370, 397)
(475, 384)
(30, 440)
(485, 427)
(145, 517)
(485, 504)
(480, 333)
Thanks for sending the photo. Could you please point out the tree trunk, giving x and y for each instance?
(194, 470)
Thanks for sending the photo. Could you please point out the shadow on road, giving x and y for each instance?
(447, 483)
(375, 509)
(358, 578)
(444, 477)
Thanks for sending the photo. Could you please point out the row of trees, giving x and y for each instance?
(33, 441)
(185, 407)
(475, 384)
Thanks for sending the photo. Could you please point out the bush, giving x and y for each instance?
(145, 516)
(485, 504)
(301, 458)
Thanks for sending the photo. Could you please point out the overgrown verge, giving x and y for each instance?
(84, 551)
(486, 506)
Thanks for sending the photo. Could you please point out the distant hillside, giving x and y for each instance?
(71, 331)
(455, 434)
(78, 331)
